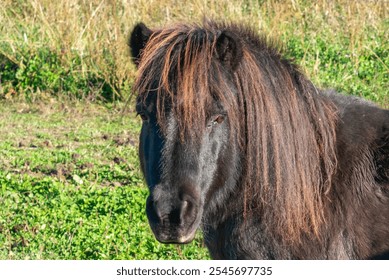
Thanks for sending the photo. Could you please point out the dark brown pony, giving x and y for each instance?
(237, 141)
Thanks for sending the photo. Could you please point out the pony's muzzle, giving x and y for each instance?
(173, 220)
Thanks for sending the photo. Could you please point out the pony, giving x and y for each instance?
(237, 141)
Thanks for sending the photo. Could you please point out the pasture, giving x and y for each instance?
(70, 184)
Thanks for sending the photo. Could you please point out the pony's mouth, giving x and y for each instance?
(183, 239)
(173, 233)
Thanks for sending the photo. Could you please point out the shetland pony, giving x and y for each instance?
(238, 142)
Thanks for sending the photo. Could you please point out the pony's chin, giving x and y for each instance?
(187, 238)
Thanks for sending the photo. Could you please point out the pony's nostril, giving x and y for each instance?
(187, 211)
(157, 212)
(152, 208)
(186, 206)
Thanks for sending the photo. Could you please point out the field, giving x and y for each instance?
(70, 185)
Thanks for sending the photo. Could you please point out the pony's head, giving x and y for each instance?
(224, 115)
(186, 149)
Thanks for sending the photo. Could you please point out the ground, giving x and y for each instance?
(70, 185)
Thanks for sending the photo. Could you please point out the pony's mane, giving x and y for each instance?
(285, 128)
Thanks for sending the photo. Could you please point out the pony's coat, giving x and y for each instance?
(314, 165)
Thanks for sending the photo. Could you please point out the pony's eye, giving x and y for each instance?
(143, 116)
(217, 119)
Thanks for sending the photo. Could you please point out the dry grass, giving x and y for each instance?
(97, 30)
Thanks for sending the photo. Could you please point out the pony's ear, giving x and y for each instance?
(229, 49)
(138, 39)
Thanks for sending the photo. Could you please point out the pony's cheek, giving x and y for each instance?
(142, 158)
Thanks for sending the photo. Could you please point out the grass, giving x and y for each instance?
(79, 47)
(70, 185)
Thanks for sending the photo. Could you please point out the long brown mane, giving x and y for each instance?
(285, 129)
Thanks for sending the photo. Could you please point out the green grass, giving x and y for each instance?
(70, 185)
